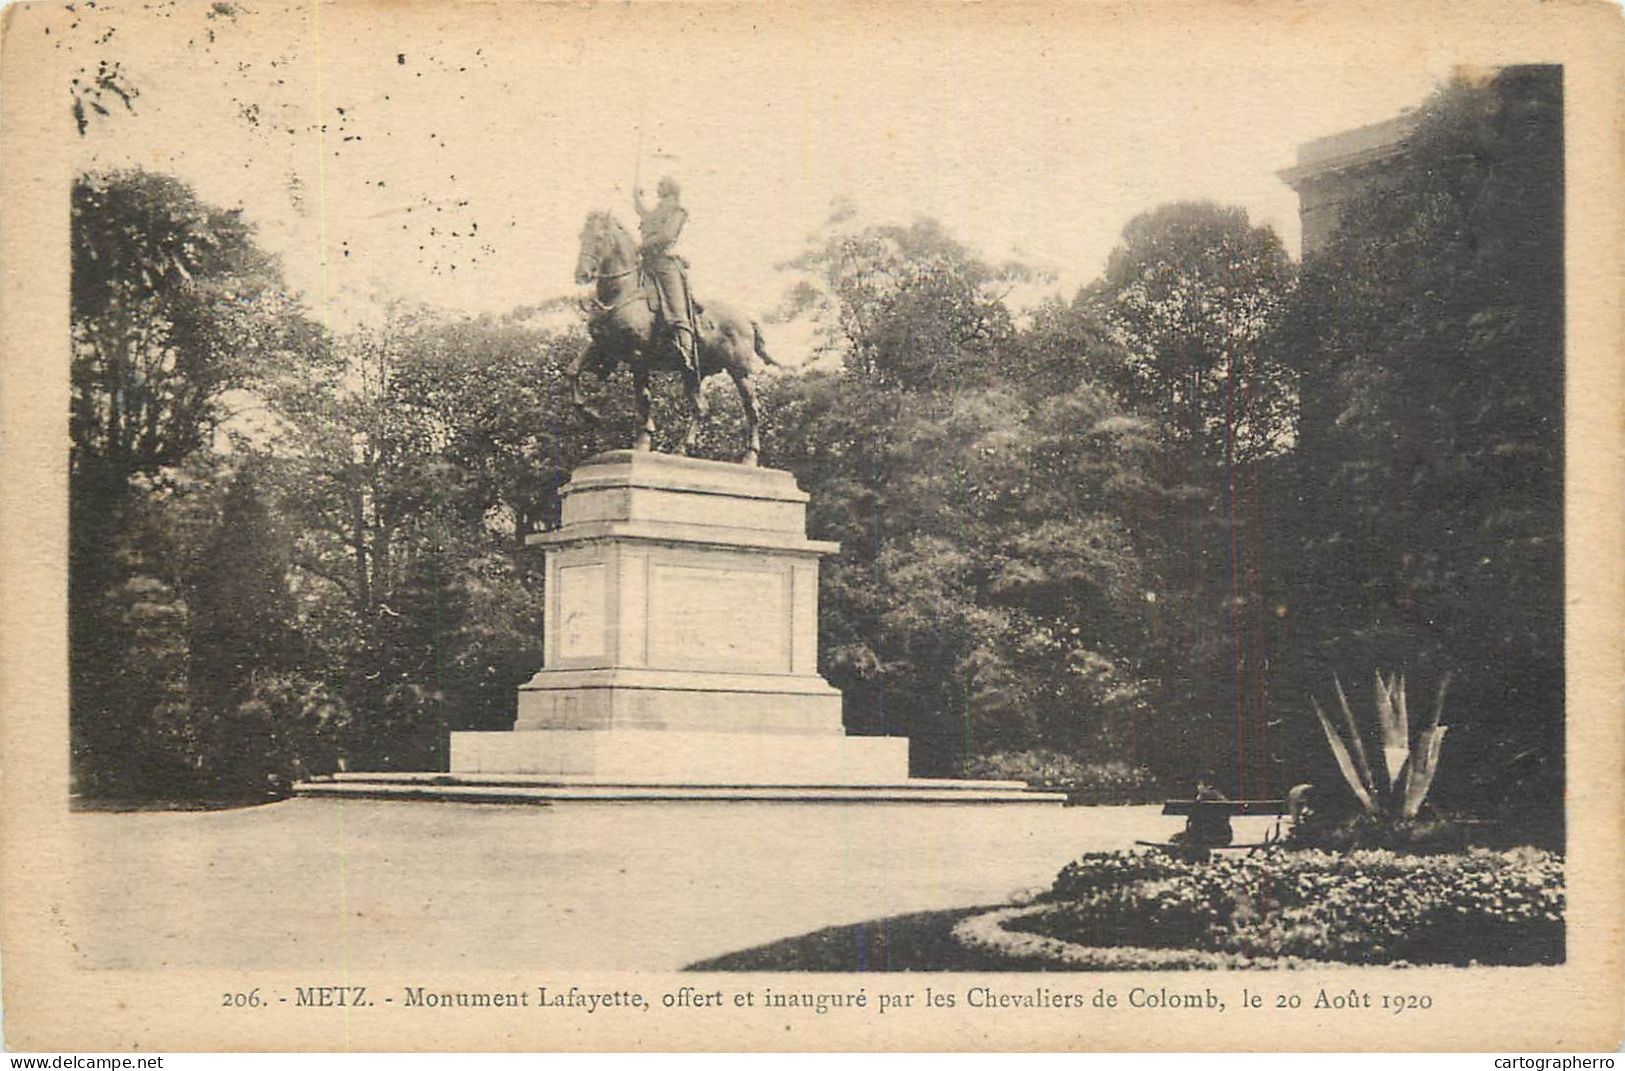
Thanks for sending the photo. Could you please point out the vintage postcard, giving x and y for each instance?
(709, 526)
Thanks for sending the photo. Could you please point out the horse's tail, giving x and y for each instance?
(761, 346)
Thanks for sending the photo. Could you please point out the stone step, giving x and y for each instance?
(673, 781)
(519, 788)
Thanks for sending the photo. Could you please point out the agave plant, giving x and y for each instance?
(1409, 767)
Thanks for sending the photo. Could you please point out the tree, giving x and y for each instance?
(1190, 296)
(242, 633)
(173, 306)
(129, 713)
(915, 318)
(241, 609)
(412, 476)
(988, 594)
(906, 307)
(1191, 299)
(1075, 567)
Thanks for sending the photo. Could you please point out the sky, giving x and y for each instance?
(449, 154)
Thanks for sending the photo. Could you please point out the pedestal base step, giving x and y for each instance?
(539, 789)
(647, 757)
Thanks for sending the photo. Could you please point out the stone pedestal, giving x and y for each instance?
(681, 638)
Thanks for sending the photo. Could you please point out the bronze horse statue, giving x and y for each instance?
(622, 329)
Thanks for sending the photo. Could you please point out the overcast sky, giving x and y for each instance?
(463, 148)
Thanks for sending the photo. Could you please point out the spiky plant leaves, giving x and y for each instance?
(1410, 767)
(1423, 769)
(1340, 752)
(1438, 702)
(1396, 749)
(1400, 708)
(1354, 736)
(1394, 760)
(1387, 720)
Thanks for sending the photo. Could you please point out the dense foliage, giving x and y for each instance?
(1114, 541)
(1112, 781)
(174, 308)
(990, 594)
(1429, 343)
(1364, 907)
(1192, 299)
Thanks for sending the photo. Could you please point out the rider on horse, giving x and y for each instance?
(624, 325)
(659, 228)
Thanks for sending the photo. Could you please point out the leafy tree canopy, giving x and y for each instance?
(1190, 296)
(173, 305)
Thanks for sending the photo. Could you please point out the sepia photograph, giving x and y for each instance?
(955, 526)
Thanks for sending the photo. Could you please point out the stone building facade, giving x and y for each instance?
(1334, 169)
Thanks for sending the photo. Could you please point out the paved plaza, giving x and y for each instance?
(326, 883)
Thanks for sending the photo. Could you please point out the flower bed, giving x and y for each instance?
(1150, 911)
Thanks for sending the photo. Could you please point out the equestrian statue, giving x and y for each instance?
(641, 314)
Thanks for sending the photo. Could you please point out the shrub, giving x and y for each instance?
(1366, 907)
(287, 729)
(1348, 832)
(1090, 782)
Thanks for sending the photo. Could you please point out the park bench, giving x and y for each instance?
(1207, 819)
